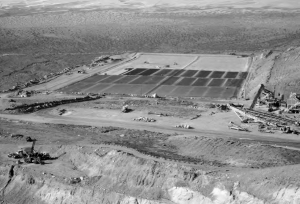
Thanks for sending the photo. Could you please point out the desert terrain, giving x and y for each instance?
(148, 102)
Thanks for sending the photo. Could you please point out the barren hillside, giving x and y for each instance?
(49, 42)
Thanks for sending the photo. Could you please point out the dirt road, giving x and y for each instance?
(100, 122)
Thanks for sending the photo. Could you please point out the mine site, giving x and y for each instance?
(149, 102)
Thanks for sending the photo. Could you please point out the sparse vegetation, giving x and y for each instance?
(51, 42)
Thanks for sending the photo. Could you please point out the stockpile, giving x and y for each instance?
(26, 108)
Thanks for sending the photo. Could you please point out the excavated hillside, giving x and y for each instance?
(110, 176)
(277, 70)
(118, 165)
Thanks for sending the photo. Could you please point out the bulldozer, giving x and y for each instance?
(29, 155)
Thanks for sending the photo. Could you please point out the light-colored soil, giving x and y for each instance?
(188, 62)
(206, 124)
(121, 160)
(221, 63)
(162, 61)
(65, 80)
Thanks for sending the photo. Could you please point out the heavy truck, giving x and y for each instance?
(29, 155)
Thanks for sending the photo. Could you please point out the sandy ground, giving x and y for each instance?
(188, 62)
(220, 63)
(115, 155)
(207, 125)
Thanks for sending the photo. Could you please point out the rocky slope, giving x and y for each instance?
(112, 176)
(278, 71)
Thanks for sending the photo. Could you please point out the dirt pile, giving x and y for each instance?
(28, 108)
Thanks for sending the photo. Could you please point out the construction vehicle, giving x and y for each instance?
(265, 97)
(234, 126)
(125, 109)
(29, 154)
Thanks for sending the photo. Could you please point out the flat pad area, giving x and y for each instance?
(136, 71)
(217, 74)
(98, 88)
(211, 76)
(189, 73)
(231, 74)
(217, 82)
(163, 85)
(187, 91)
(234, 82)
(111, 78)
(186, 81)
(154, 61)
(220, 63)
(201, 82)
(127, 89)
(170, 80)
(149, 72)
(126, 79)
(95, 78)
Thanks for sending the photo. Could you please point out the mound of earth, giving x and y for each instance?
(235, 152)
(105, 175)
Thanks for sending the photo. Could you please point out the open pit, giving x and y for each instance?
(97, 107)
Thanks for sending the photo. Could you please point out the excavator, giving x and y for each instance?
(267, 98)
(29, 154)
(125, 109)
